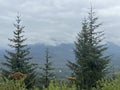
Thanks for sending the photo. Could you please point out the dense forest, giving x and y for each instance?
(89, 71)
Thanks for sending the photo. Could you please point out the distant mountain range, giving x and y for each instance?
(61, 53)
(114, 51)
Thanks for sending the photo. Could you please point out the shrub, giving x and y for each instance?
(59, 86)
(12, 85)
(109, 84)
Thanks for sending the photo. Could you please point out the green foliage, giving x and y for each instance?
(59, 86)
(90, 62)
(109, 84)
(104, 84)
(19, 85)
(18, 60)
(12, 85)
(47, 73)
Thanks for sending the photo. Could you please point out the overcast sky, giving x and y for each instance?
(53, 22)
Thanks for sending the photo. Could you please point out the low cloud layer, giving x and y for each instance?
(53, 22)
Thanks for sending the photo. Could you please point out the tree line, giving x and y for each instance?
(89, 66)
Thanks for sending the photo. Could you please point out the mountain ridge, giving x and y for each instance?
(62, 53)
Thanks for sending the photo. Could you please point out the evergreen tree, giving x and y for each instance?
(18, 59)
(47, 70)
(90, 62)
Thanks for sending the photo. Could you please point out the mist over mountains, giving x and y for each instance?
(61, 54)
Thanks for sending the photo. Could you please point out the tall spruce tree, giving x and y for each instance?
(90, 62)
(47, 74)
(18, 59)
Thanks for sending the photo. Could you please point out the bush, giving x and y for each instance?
(59, 86)
(12, 85)
(109, 84)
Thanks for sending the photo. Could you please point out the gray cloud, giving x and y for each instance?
(57, 21)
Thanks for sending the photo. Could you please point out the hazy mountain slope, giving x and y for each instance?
(60, 54)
